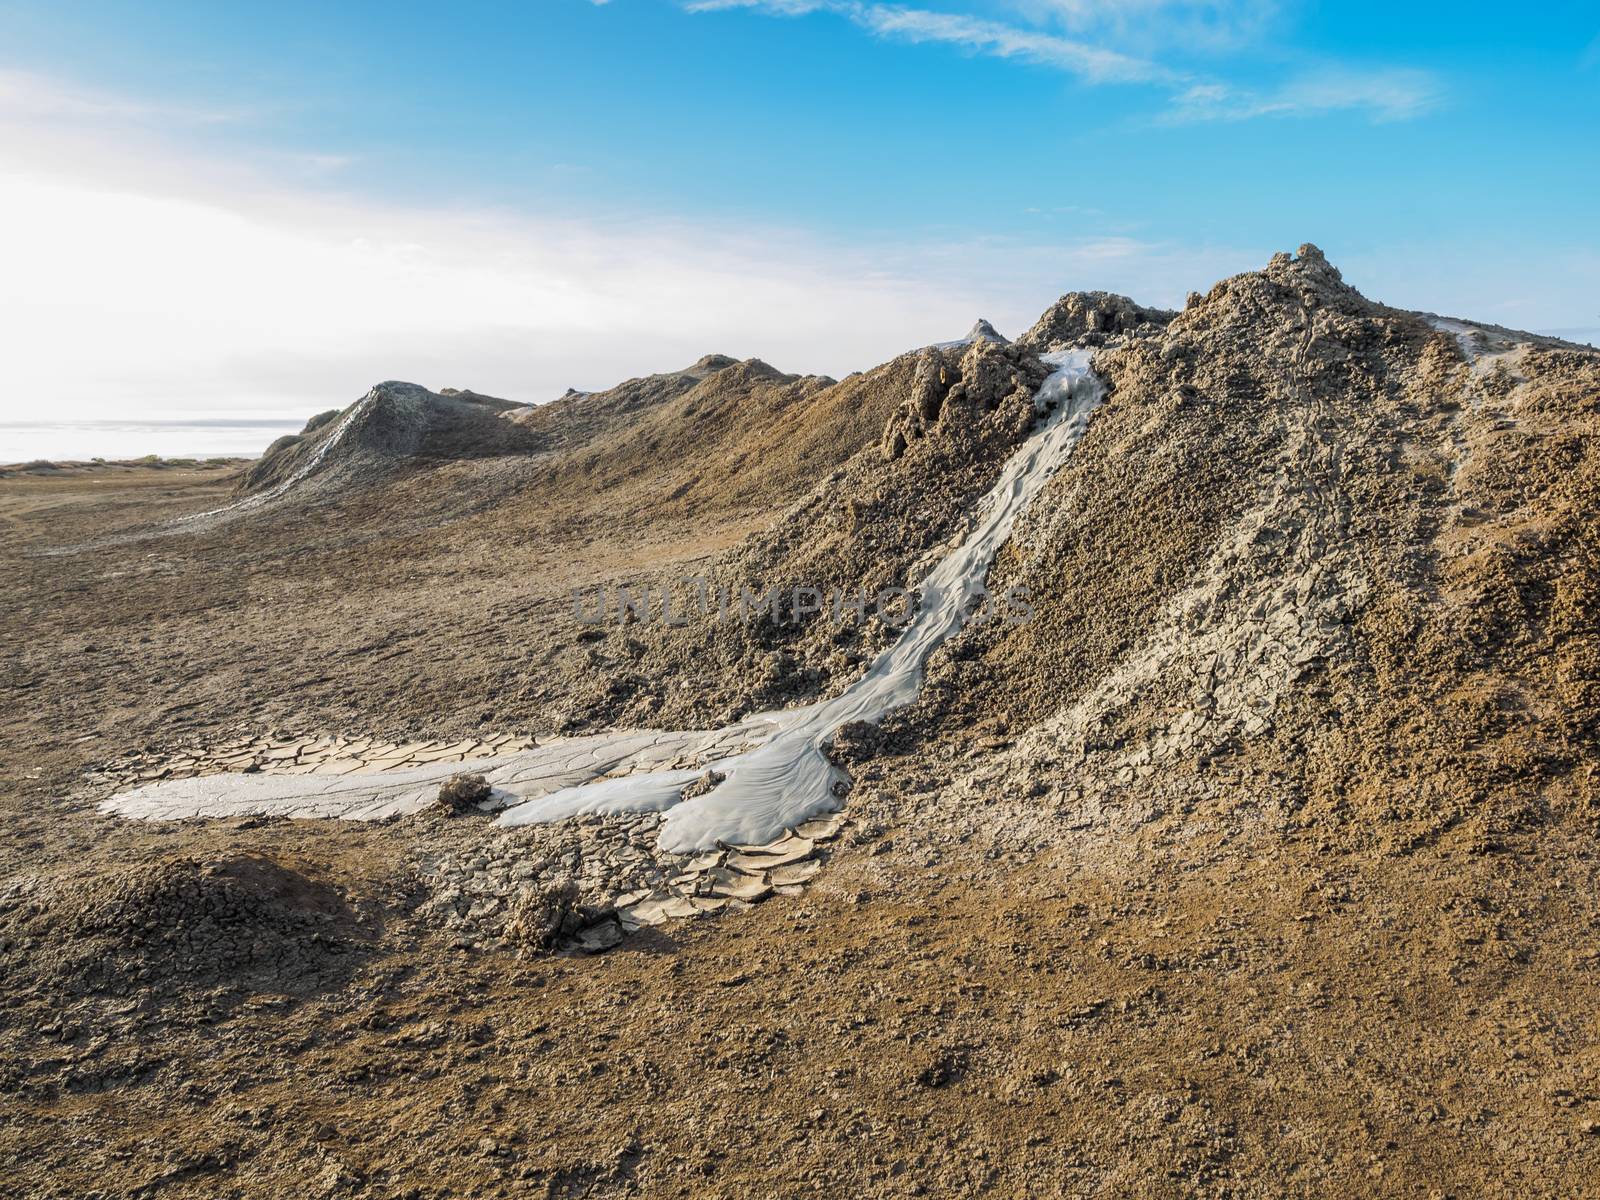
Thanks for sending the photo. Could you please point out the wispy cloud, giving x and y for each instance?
(1208, 25)
(996, 39)
(26, 95)
(1093, 63)
(778, 8)
(1383, 94)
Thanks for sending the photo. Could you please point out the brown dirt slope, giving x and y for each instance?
(1261, 862)
(1307, 534)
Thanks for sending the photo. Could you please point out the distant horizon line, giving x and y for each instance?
(169, 419)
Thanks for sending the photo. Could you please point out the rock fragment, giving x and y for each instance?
(462, 793)
(542, 915)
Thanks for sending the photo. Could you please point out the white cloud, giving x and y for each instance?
(27, 95)
(141, 277)
(1390, 94)
(1093, 63)
(1155, 28)
(991, 38)
(778, 8)
(118, 299)
(1384, 94)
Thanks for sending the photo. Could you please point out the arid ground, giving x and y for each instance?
(1261, 862)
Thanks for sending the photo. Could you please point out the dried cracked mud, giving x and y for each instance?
(1259, 862)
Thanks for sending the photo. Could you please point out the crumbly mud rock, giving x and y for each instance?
(463, 793)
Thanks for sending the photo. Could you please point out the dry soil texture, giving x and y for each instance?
(1261, 862)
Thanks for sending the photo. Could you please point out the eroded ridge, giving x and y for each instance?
(789, 778)
(774, 772)
(303, 472)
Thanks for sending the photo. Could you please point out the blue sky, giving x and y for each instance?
(270, 207)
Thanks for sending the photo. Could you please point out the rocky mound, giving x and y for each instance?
(1274, 466)
(1313, 557)
(579, 418)
(178, 922)
(393, 422)
(1301, 520)
(982, 331)
(898, 457)
(661, 433)
(730, 439)
(1090, 319)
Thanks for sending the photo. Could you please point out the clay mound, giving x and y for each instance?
(985, 332)
(394, 421)
(1091, 319)
(722, 436)
(1300, 518)
(883, 469)
(179, 921)
(580, 418)
(479, 398)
